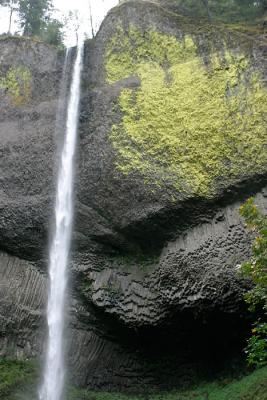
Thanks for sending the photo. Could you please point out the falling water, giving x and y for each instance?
(52, 387)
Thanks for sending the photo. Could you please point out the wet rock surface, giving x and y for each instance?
(154, 285)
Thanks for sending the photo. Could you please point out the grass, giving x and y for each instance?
(17, 382)
(250, 387)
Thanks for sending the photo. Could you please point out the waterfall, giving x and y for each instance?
(53, 381)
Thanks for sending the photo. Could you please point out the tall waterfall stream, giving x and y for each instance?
(54, 371)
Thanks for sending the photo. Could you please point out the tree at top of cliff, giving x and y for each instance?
(35, 18)
(226, 10)
(34, 14)
(52, 32)
(12, 5)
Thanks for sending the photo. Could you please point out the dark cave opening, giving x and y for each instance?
(186, 349)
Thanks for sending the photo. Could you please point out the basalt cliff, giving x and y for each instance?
(172, 141)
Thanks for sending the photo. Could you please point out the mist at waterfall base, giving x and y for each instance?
(54, 371)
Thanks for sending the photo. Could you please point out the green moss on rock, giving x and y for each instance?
(188, 125)
(17, 83)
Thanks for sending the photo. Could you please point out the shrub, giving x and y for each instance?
(256, 270)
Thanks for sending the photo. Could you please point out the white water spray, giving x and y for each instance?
(52, 387)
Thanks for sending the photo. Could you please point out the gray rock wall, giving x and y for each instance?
(22, 297)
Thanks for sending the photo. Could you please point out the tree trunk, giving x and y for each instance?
(91, 19)
(206, 5)
(10, 19)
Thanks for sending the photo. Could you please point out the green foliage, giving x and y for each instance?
(187, 126)
(223, 10)
(52, 33)
(17, 83)
(12, 374)
(256, 270)
(35, 19)
(33, 15)
(257, 345)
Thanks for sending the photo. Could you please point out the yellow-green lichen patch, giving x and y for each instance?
(187, 125)
(127, 50)
(17, 83)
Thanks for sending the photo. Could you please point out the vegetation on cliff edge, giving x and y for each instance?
(256, 270)
(222, 10)
(35, 18)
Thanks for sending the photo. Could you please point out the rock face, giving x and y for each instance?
(30, 76)
(172, 141)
